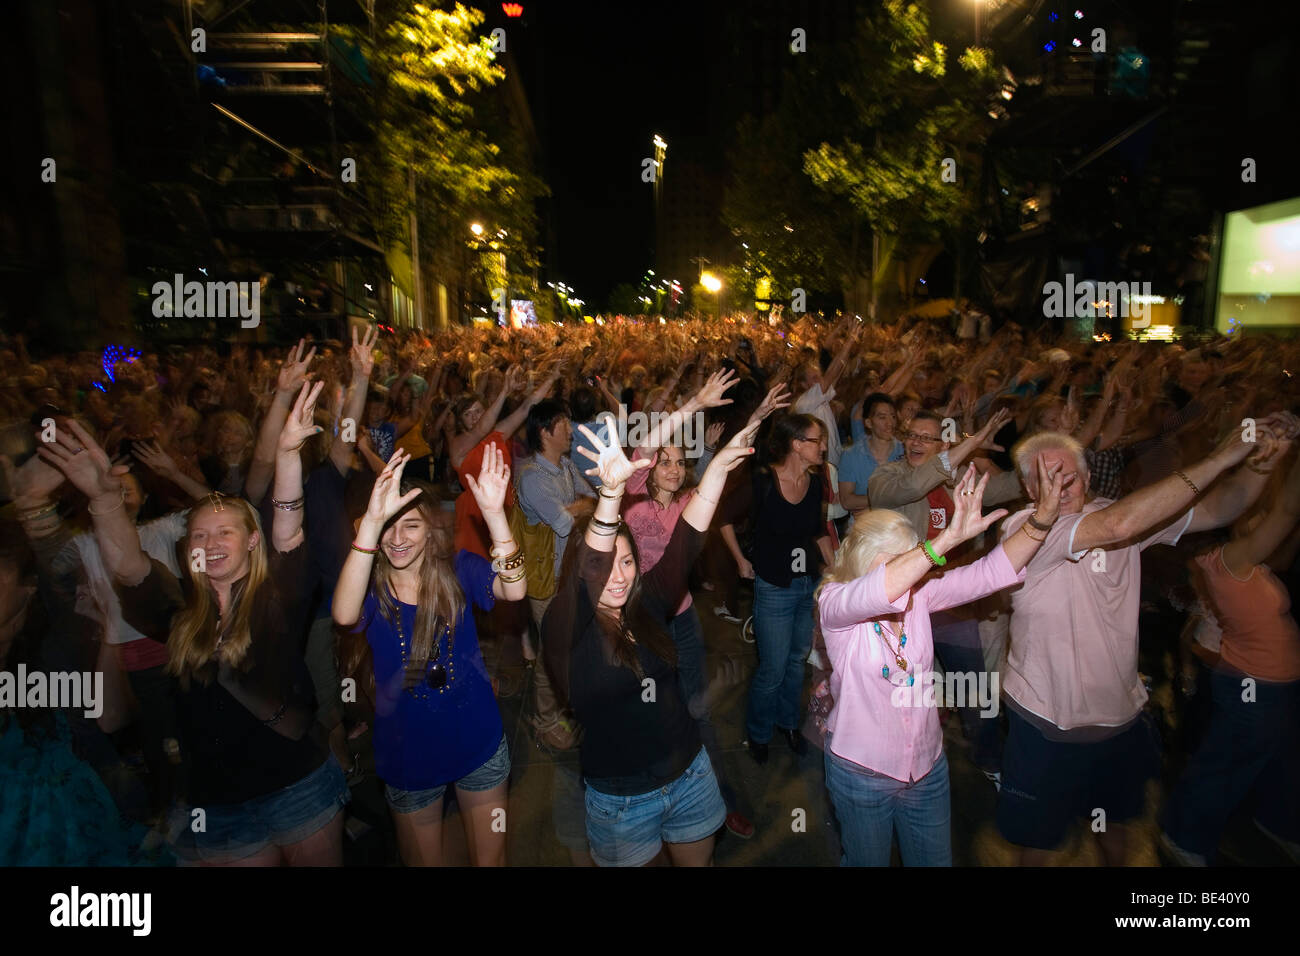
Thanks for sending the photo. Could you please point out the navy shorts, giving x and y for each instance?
(493, 772)
(1048, 784)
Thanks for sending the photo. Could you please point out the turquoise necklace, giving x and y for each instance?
(897, 653)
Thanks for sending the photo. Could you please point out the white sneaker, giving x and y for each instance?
(722, 612)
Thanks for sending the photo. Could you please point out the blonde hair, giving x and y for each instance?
(192, 644)
(873, 533)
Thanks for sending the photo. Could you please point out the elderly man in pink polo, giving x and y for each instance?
(885, 765)
(1076, 743)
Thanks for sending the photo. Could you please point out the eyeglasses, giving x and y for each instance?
(916, 436)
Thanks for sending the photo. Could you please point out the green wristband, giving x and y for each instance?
(935, 559)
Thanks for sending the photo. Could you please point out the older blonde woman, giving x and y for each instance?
(885, 766)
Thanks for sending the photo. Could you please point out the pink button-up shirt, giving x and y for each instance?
(867, 727)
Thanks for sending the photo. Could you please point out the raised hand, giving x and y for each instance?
(710, 395)
(991, 428)
(294, 370)
(612, 466)
(301, 423)
(489, 489)
(1050, 486)
(154, 458)
(777, 397)
(731, 454)
(32, 482)
(713, 433)
(386, 498)
(361, 355)
(968, 500)
(75, 453)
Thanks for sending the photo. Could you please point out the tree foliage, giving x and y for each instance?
(433, 114)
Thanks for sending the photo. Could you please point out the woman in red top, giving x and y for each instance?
(473, 434)
(1253, 741)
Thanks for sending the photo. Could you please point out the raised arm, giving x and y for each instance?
(292, 374)
(613, 469)
(75, 453)
(489, 490)
(836, 368)
(462, 444)
(1155, 504)
(361, 358)
(386, 500)
(1228, 500)
(287, 495)
(699, 510)
(515, 419)
(163, 465)
(710, 396)
(1242, 554)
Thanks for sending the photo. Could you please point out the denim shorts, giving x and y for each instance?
(494, 772)
(237, 831)
(630, 831)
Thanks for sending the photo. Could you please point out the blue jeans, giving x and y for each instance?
(783, 630)
(871, 806)
(1249, 746)
(957, 645)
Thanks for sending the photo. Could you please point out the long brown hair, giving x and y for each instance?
(194, 637)
(687, 482)
(441, 600)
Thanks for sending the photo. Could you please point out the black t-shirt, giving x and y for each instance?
(637, 736)
(782, 530)
(235, 755)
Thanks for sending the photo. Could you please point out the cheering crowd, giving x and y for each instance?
(278, 561)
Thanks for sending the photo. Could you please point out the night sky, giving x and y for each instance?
(613, 75)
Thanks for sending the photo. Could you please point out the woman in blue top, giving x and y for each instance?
(436, 719)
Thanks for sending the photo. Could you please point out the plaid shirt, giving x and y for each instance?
(1105, 468)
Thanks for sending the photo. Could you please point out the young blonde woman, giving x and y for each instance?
(885, 765)
(404, 592)
(268, 790)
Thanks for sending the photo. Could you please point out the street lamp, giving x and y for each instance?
(476, 228)
(714, 285)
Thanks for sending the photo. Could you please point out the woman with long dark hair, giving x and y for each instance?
(607, 648)
(406, 597)
(791, 543)
(262, 783)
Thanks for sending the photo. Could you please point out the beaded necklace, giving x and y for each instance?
(897, 653)
(439, 677)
